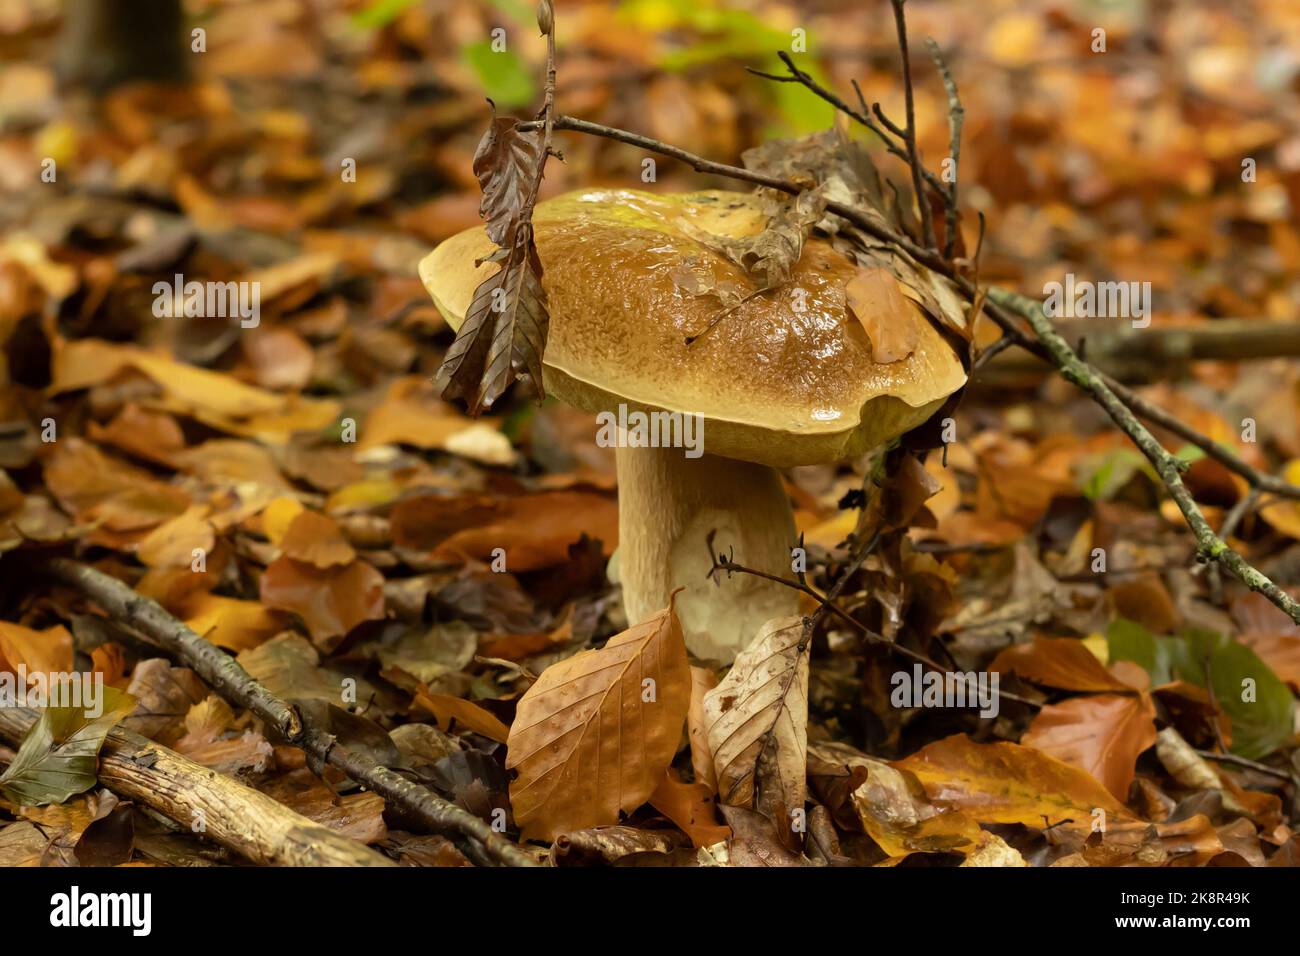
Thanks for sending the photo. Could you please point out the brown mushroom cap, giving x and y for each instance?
(777, 386)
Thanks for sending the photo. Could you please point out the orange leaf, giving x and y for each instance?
(1007, 783)
(316, 539)
(594, 735)
(447, 709)
(48, 651)
(1103, 735)
(330, 603)
(1059, 662)
(887, 315)
(691, 807)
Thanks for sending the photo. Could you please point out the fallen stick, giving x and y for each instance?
(246, 821)
(1141, 356)
(224, 675)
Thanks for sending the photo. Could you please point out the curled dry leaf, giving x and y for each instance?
(890, 319)
(691, 807)
(504, 332)
(761, 707)
(454, 710)
(896, 814)
(594, 735)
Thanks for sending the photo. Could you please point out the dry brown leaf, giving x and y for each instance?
(890, 319)
(594, 735)
(317, 539)
(1102, 734)
(448, 709)
(703, 680)
(1007, 783)
(534, 530)
(330, 602)
(691, 807)
(1059, 662)
(761, 707)
(180, 542)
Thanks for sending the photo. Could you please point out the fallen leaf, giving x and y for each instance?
(593, 736)
(691, 807)
(1103, 734)
(889, 317)
(761, 707)
(331, 602)
(1007, 783)
(450, 710)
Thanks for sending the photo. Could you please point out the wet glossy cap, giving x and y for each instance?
(787, 378)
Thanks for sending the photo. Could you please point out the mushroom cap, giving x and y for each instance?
(775, 384)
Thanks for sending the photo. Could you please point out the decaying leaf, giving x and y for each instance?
(594, 735)
(761, 707)
(1007, 783)
(889, 317)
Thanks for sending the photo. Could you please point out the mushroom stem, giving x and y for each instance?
(667, 506)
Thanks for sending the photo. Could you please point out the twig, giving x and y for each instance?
(1246, 763)
(909, 137)
(1118, 402)
(225, 676)
(862, 116)
(826, 604)
(956, 118)
(1229, 527)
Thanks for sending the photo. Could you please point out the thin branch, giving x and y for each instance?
(913, 154)
(826, 604)
(225, 676)
(956, 118)
(1246, 763)
(1008, 309)
(861, 116)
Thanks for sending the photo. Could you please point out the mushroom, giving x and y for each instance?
(785, 378)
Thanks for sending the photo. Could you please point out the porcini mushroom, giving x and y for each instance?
(785, 378)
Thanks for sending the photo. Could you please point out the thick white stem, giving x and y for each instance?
(667, 505)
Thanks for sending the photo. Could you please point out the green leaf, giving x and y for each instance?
(1130, 641)
(380, 13)
(1113, 470)
(1259, 704)
(60, 756)
(504, 76)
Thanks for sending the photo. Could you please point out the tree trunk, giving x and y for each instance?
(107, 42)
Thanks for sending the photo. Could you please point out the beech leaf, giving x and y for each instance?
(1102, 734)
(504, 332)
(888, 316)
(757, 721)
(594, 735)
(59, 757)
